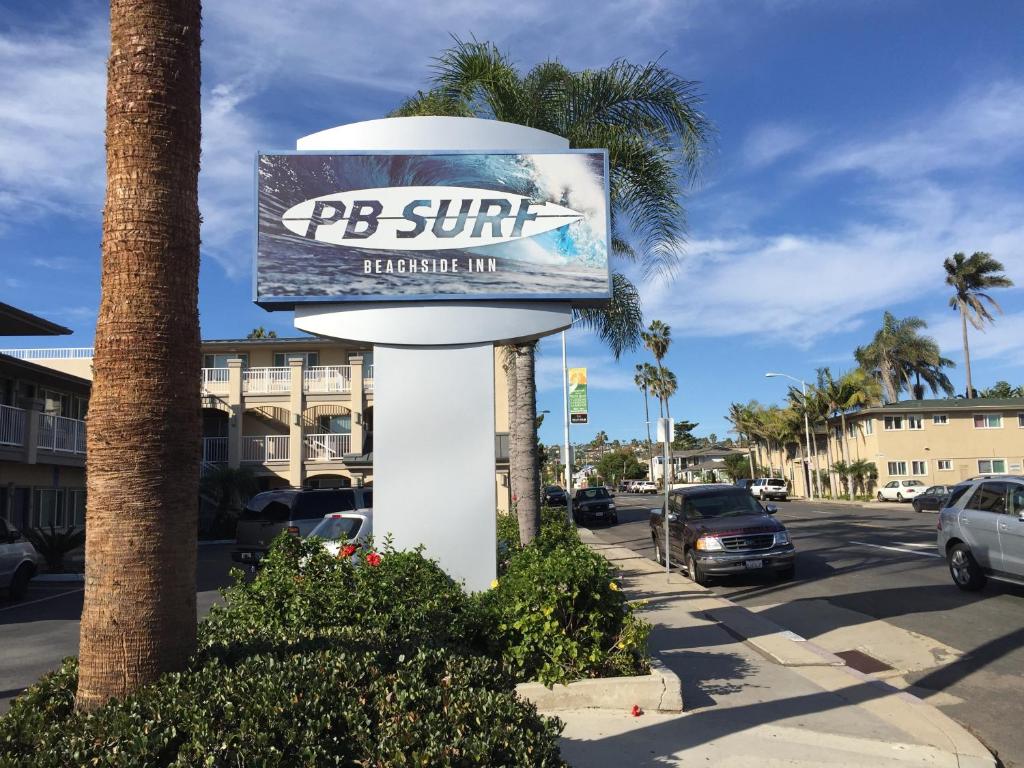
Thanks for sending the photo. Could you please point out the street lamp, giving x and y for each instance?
(807, 423)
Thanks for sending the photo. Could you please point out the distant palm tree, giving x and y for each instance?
(261, 333)
(664, 387)
(644, 378)
(898, 351)
(807, 406)
(740, 416)
(970, 277)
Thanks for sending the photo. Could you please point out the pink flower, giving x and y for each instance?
(373, 559)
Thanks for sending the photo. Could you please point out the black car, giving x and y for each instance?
(594, 504)
(933, 498)
(554, 496)
(717, 530)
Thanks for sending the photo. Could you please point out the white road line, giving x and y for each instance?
(42, 599)
(896, 549)
(917, 544)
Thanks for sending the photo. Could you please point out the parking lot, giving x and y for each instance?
(869, 579)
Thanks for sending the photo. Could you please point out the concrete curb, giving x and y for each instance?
(660, 691)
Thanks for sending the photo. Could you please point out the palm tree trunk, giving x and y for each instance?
(509, 364)
(524, 470)
(967, 352)
(139, 616)
(847, 459)
(650, 445)
(750, 456)
(832, 479)
(817, 464)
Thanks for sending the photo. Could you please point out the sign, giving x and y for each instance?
(578, 395)
(387, 226)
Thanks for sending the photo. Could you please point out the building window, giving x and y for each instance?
(940, 418)
(221, 360)
(309, 359)
(992, 466)
(945, 464)
(897, 468)
(48, 508)
(869, 426)
(893, 423)
(919, 467)
(988, 421)
(1020, 420)
(851, 429)
(915, 421)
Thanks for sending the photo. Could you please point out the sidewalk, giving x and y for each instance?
(755, 694)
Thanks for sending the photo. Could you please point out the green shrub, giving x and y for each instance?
(558, 616)
(555, 528)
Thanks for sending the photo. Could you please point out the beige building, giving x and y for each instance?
(938, 442)
(42, 432)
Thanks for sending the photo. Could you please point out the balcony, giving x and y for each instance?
(368, 379)
(215, 381)
(332, 447)
(60, 434)
(12, 425)
(327, 379)
(215, 450)
(320, 379)
(266, 381)
(264, 449)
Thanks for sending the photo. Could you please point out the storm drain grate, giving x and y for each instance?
(862, 662)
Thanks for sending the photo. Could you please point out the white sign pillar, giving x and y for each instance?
(433, 439)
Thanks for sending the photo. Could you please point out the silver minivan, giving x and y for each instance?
(981, 531)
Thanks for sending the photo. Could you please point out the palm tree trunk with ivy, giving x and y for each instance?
(139, 616)
(524, 470)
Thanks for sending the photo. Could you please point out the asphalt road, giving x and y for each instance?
(870, 577)
(42, 629)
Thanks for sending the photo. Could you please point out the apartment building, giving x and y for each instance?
(42, 432)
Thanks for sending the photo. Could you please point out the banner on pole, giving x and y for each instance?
(578, 396)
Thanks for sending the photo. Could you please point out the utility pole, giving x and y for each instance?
(565, 426)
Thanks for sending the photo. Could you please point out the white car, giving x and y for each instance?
(769, 488)
(18, 561)
(901, 490)
(340, 528)
(645, 486)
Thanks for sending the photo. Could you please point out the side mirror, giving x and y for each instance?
(1020, 516)
(673, 517)
(771, 509)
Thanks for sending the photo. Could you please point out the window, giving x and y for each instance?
(940, 418)
(988, 421)
(992, 466)
(48, 508)
(989, 497)
(869, 426)
(897, 468)
(893, 423)
(851, 430)
(915, 421)
(919, 467)
(945, 464)
(221, 360)
(1020, 420)
(309, 359)
(76, 507)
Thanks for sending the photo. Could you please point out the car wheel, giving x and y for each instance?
(880, 496)
(787, 574)
(696, 572)
(916, 506)
(899, 497)
(965, 570)
(19, 584)
(615, 519)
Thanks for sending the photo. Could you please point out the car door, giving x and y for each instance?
(889, 490)
(676, 527)
(1011, 532)
(979, 523)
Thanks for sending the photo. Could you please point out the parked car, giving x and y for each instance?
(594, 504)
(901, 490)
(554, 496)
(932, 498)
(269, 513)
(340, 528)
(19, 561)
(981, 531)
(769, 488)
(645, 486)
(716, 530)
(745, 483)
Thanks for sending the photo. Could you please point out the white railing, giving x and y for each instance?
(266, 381)
(12, 425)
(55, 353)
(215, 450)
(58, 433)
(327, 378)
(327, 447)
(263, 449)
(368, 378)
(215, 380)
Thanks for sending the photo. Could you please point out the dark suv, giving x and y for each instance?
(717, 530)
(594, 504)
(298, 512)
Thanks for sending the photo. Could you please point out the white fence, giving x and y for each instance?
(368, 378)
(327, 447)
(327, 378)
(12, 425)
(215, 450)
(266, 381)
(54, 353)
(264, 449)
(215, 380)
(58, 433)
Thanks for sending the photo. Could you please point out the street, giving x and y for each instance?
(869, 580)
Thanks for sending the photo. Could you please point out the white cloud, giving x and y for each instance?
(1002, 341)
(769, 142)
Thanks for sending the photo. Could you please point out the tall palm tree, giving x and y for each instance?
(892, 352)
(740, 416)
(664, 386)
(646, 116)
(139, 616)
(525, 470)
(644, 378)
(970, 278)
(806, 407)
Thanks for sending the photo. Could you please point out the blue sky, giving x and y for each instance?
(859, 143)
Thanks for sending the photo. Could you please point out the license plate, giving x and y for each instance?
(247, 556)
(754, 563)
(599, 513)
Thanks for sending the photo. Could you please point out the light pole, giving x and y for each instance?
(565, 426)
(807, 427)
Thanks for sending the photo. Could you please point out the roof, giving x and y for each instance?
(942, 404)
(265, 341)
(707, 451)
(41, 374)
(18, 322)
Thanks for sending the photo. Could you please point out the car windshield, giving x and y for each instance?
(728, 503)
(777, 482)
(912, 482)
(337, 528)
(553, 489)
(592, 493)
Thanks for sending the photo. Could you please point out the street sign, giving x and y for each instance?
(578, 395)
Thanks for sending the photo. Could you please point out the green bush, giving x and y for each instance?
(558, 616)
(555, 529)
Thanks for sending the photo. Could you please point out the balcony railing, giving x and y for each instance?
(215, 450)
(264, 449)
(327, 378)
(331, 447)
(12, 425)
(215, 380)
(266, 381)
(55, 353)
(368, 378)
(61, 434)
